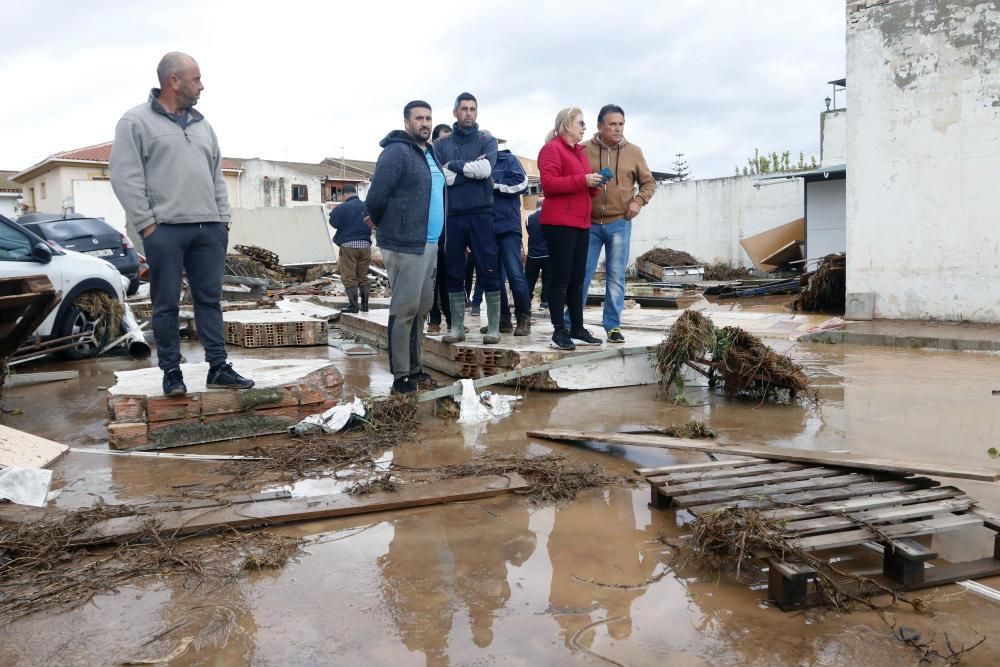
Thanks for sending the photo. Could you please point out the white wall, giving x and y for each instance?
(708, 217)
(8, 205)
(826, 218)
(923, 154)
(833, 137)
(252, 184)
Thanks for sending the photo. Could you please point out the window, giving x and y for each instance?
(42, 188)
(14, 246)
(300, 193)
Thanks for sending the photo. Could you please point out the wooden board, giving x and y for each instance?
(862, 535)
(755, 481)
(673, 481)
(189, 521)
(877, 516)
(844, 460)
(820, 495)
(23, 450)
(707, 465)
(862, 504)
(768, 242)
(785, 487)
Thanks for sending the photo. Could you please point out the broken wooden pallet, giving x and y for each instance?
(192, 520)
(25, 302)
(287, 390)
(822, 508)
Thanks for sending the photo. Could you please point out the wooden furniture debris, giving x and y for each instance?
(671, 274)
(273, 328)
(141, 418)
(267, 512)
(24, 450)
(844, 460)
(778, 244)
(822, 502)
(25, 302)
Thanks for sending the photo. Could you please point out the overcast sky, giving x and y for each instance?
(305, 80)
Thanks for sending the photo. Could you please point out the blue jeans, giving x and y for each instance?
(614, 238)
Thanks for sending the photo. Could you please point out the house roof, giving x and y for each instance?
(7, 185)
(98, 154)
(350, 168)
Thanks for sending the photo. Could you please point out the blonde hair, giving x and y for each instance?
(563, 120)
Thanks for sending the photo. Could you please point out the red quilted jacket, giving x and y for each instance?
(563, 170)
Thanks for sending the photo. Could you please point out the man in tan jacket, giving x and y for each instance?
(630, 188)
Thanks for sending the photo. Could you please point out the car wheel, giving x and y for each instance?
(81, 316)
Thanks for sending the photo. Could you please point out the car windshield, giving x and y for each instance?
(14, 246)
(62, 230)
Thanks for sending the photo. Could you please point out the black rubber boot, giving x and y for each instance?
(352, 301)
(364, 299)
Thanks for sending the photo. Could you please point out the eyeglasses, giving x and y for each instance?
(581, 124)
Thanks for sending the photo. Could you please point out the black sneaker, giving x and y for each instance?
(173, 383)
(424, 381)
(404, 385)
(224, 377)
(585, 337)
(561, 340)
(615, 336)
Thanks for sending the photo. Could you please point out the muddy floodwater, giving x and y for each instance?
(505, 582)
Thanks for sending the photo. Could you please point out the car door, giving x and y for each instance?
(16, 259)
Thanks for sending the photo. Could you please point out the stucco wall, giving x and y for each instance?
(833, 137)
(252, 185)
(923, 151)
(708, 217)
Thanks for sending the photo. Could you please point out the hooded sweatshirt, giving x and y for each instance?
(163, 173)
(399, 197)
(471, 156)
(628, 165)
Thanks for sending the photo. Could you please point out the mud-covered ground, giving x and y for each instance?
(505, 582)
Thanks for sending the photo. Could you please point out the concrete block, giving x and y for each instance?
(860, 306)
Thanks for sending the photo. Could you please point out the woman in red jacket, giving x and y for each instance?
(568, 184)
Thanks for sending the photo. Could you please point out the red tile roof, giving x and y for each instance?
(102, 153)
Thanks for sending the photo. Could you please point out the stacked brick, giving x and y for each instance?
(274, 328)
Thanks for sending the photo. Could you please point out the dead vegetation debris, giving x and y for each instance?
(693, 429)
(106, 311)
(740, 361)
(733, 540)
(668, 257)
(826, 289)
(550, 477)
(724, 271)
(40, 570)
(384, 483)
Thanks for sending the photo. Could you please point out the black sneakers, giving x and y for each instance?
(615, 336)
(404, 385)
(224, 377)
(561, 340)
(173, 383)
(424, 381)
(585, 337)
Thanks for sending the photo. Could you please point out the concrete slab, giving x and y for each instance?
(264, 372)
(963, 336)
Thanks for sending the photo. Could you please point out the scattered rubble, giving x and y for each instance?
(826, 288)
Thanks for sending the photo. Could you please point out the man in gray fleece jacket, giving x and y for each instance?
(166, 170)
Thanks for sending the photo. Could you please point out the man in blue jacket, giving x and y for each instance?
(354, 240)
(406, 206)
(509, 181)
(469, 156)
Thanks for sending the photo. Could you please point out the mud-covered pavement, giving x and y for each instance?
(505, 582)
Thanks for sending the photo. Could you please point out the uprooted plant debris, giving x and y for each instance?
(744, 365)
(693, 429)
(732, 539)
(383, 482)
(107, 311)
(40, 570)
(550, 477)
(826, 289)
(668, 257)
(723, 271)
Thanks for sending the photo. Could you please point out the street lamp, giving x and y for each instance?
(827, 100)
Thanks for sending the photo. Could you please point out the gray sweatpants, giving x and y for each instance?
(411, 279)
(198, 248)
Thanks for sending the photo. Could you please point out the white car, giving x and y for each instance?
(72, 274)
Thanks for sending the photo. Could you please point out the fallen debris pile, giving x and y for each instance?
(550, 478)
(668, 257)
(826, 288)
(745, 365)
(39, 571)
(723, 271)
(693, 429)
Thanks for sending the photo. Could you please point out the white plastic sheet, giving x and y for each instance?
(25, 486)
(333, 420)
(477, 408)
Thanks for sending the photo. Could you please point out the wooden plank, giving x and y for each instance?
(886, 515)
(673, 481)
(23, 450)
(848, 460)
(707, 465)
(861, 535)
(818, 495)
(767, 490)
(186, 522)
(756, 481)
(861, 504)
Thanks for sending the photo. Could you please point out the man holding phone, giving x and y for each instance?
(627, 186)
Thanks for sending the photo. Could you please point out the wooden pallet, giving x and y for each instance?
(25, 302)
(824, 507)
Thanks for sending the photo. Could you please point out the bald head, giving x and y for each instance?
(180, 81)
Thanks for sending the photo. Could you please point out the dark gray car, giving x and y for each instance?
(90, 236)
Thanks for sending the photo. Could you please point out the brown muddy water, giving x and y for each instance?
(504, 582)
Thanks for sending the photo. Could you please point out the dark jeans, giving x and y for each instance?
(198, 249)
(568, 262)
(509, 248)
(441, 304)
(532, 267)
(475, 231)
(470, 274)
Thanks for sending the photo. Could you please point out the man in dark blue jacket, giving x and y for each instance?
(354, 241)
(468, 156)
(406, 205)
(509, 181)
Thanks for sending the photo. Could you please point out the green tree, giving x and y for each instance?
(775, 163)
(681, 168)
